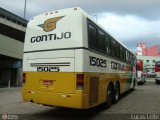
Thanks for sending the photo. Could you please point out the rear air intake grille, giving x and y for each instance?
(50, 64)
(94, 83)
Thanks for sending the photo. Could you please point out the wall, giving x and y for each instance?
(11, 47)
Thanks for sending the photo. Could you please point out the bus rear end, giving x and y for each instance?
(157, 71)
(140, 74)
(49, 75)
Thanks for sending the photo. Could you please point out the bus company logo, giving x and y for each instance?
(4, 116)
(50, 24)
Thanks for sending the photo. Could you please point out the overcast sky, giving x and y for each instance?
(129, 21)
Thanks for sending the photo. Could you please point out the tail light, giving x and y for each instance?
(156, 70)
(140, 65)
(157, 67)
(80, 82)
(24, 77)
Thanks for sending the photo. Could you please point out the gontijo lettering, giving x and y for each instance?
(49, 37)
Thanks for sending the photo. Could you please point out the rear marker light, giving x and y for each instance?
(80, 82)
(24, 77)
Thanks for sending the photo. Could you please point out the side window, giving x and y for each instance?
(108, 45)
(130, 57)
(133, 60)
(92, 36)
(127, 56)
(158, 64)
(121, 53)
(113, 49)
(124, 54)
(101, 40)
(117, 50)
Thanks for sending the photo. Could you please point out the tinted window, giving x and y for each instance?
(117, 50)
(92, 36)
(113, 48)
(101, 40)
(122, 53)
(127, 56)
(158, 64)
(108, 45)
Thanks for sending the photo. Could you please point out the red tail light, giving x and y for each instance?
(140, 65)
(80, 82)
(157, 66)
(156, 70)
(24, 77)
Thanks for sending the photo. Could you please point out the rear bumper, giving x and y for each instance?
(79, 101)
(140, 79)
(157, 78)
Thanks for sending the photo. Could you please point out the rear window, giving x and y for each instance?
(158, 64)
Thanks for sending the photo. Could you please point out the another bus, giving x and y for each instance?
(157, 71)
(70, 61)
(141, 77)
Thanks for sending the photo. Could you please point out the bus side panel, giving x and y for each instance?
(104, 75)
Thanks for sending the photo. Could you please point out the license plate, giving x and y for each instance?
(47, 82)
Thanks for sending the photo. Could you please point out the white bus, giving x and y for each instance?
(71, 61)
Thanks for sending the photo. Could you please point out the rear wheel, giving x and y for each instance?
(116, 93)
(109, 96)
(157, 82)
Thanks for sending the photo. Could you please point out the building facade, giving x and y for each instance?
(12, 34)
(143, 49)
(148, 62)
(149, 55)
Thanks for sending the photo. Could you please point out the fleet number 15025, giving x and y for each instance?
(94, 61)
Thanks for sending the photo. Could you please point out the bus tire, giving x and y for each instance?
(116, 93)
(109, 96)
(134, 84)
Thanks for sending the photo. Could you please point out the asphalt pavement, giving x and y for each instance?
(142, 103)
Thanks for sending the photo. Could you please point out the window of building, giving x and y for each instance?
(147, 61)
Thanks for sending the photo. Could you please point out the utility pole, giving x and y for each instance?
(95, 17)
(24, 9)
